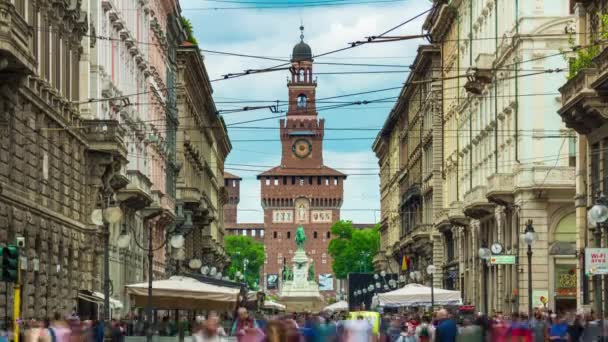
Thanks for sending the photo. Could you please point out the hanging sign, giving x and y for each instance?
(502, 260)
(596, 261)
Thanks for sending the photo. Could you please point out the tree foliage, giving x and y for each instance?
(584, 55)
(189, 31)
(241, 248)
(351, 249)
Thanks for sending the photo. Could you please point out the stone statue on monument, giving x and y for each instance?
(311, 271)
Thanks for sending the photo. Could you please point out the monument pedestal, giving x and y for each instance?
(301, 294)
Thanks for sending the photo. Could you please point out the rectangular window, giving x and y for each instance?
(267, 180)
(233, 183)
(274, 235)
(326, 180)
(301, 180)
(276, 180)
(310, 180)
(318, 180)
(328, 235)
(253, 232)
(572, 151)
(244, 232)
(289, 235)
(314, 235)
(280, 258)
(335, 180)
(284, 180)
(293, 180)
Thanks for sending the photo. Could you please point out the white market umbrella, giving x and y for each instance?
(184, 293)
(337, 306)
(418, 295)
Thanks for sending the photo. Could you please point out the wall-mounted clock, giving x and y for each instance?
(301, 148)
(496, 248)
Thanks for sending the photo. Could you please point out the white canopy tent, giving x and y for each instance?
(337, 307)
(418, 295)
(184, 293)
(270, 304)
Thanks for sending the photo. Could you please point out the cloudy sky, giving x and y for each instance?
(272, 32)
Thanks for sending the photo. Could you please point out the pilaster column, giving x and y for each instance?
(500, 217)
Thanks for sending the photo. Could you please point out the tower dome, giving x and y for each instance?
(301, 51)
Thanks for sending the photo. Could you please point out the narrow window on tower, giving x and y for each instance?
(318, 180)
(293, 180)
(289, 235)
(328, 235)
(301, 102)
(274, 235)
(335, 180)
(276, 180)
(314, 235)
(301, 180)
(326, 180)
(267, 180)
(310, 180)
(284, 180)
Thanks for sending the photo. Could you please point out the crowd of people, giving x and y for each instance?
(440, 326)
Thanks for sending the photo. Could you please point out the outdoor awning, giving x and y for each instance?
(184, 293)
(337, 307)
(270, 304)
(418, 295)
(115, 304)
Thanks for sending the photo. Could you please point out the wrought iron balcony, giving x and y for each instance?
(137, 194)
(500, 188)
(106, 136)
(16, 41)
(476, 204)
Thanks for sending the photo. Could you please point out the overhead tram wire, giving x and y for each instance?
(291, 5)
(274, 68)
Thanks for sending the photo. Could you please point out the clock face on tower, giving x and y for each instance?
(301, 148)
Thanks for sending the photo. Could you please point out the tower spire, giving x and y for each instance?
(301, 31)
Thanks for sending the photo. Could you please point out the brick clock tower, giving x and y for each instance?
(301, 191)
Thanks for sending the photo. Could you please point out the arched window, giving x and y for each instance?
(301, 102)
(565, 231)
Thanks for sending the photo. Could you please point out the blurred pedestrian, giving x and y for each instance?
(446, 328)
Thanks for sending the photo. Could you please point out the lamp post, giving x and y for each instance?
(111, 215)
(598, 216)
(430, 270)
(528, 238)
(175, 239)
(485, 254)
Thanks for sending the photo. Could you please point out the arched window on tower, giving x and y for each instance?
(301, 102)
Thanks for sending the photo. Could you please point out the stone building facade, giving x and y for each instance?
(501, 167)
(203, 148)
(498, 167)
(301, 190)
(582, 110)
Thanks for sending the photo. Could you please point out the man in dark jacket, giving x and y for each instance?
(446, 329)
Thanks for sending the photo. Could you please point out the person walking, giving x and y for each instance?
(424, 331)
(446, 328)
(558, 332)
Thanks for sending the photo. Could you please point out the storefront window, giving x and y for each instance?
(565, 287)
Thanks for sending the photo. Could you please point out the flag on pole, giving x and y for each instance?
(405, 263)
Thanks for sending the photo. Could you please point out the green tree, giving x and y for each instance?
(246, 256)
(351, 249)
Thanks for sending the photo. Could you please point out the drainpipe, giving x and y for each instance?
(495, 87)
(470, 116)
(458, 103)
(516, 122)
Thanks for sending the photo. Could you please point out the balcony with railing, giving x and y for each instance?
(456, 214)
(500, 188)
(584, 105)
(138, 193)
(16, 39)
(476, 203)
(106, 136)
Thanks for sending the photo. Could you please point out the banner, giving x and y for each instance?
(596, 261)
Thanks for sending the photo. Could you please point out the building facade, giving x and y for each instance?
(583, 111)
(302, 191)
(498, 167)
(201, 152)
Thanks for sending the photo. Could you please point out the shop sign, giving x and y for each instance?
(596, 261)
(502, 260)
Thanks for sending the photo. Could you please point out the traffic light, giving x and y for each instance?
(10, 264)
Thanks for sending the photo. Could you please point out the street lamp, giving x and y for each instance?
(415, 276)
(528, 238)
(485, 254)
(175, 239)
(110, 215)
(430, 270)
(598, 215)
